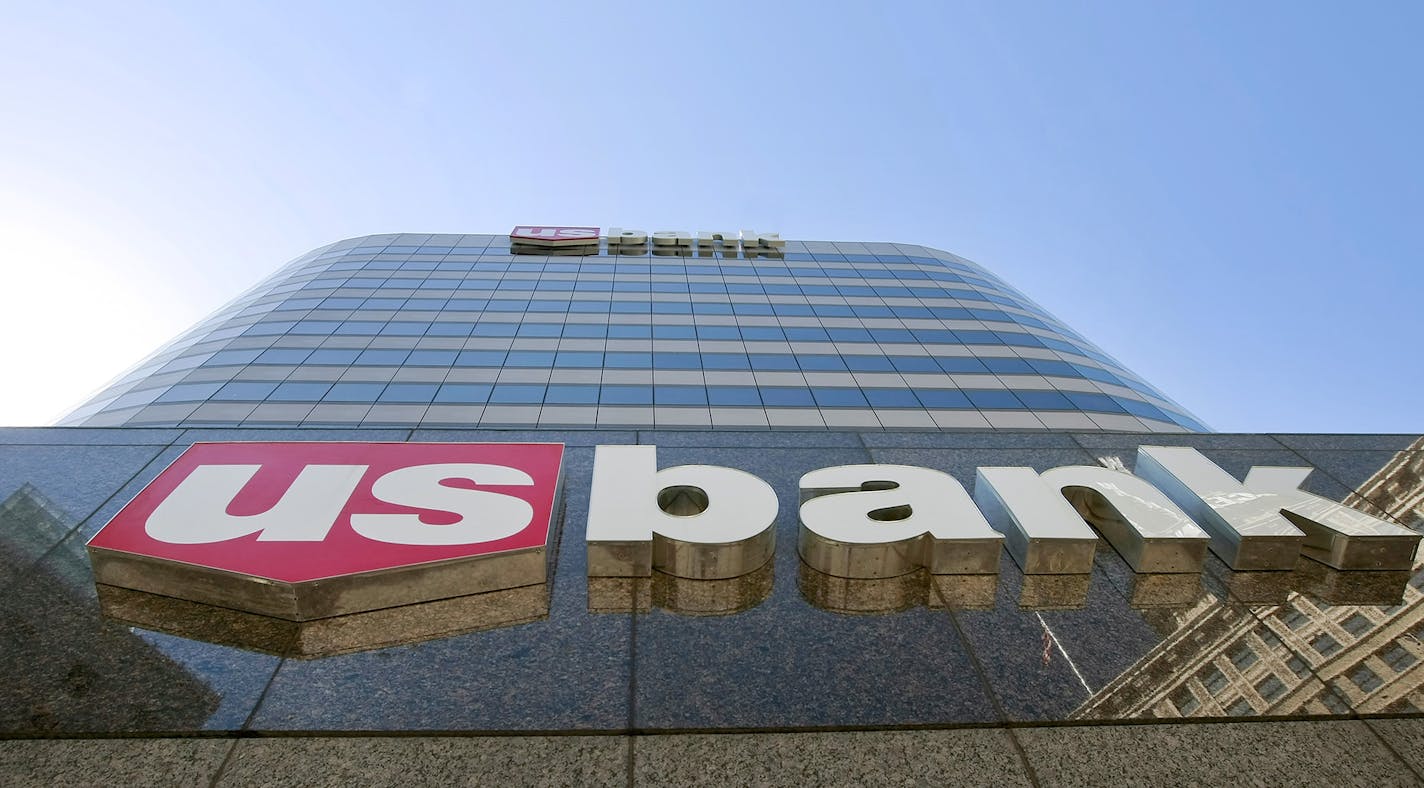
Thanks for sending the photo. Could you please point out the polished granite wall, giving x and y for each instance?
(783, 676)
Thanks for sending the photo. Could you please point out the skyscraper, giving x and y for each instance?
(633, 331)
(351, 597)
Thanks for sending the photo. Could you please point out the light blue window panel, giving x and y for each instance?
(409, 392)
(562, 394)
(517, 394)
(431, 358)
(993, 399)
(677, 361)
(762, 333)
(300, 391)
(579, 359)
(480, 358)
(463, 393)
(1094, 402)
(868, 364)
(283, 356)
(942, 398)
(732, 396)
(1044, 400)
(786, 396)
(961, 365)
(354, 392)
(772, 362)
(626, 395)
(820, 363)
(628, 360)
(192, 392)
(679, 395)
(1005, 366)
(838, 397)
(382, 357)
(530, 358)
(891, 398)
(243, 391)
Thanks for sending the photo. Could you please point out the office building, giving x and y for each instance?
(746, 353)
(464, 330)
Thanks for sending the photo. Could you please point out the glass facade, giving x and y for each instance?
(457, 330)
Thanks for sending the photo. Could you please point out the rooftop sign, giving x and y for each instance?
(534, 239)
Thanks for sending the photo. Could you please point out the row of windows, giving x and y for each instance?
(490, 328)
(557, 307)
(592, 359)
(906, 270)
(526, 286)
(590, 394)
(537, 309)
(502, 248)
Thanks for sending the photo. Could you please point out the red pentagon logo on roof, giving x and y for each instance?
(310, 530)
(553, 236)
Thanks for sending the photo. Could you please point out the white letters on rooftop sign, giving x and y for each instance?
(532, 238)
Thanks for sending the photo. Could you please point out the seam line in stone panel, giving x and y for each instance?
(237, 735)
(632, 722)
(1392, 751)
(988, 689)
(631, 760)
(222, 767)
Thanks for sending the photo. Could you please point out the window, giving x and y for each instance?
(463, 393)
(1270, 688)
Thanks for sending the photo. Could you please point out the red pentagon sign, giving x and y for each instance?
(307, 530)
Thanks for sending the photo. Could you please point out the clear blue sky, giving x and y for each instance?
(1226, 196)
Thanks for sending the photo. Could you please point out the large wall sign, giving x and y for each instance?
(309, 530)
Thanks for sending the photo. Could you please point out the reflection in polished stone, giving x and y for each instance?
(64, 669)
(863, 595)
(680, 594)
(1224, 660)
(30, 525)
(1054, 592)
(1260, 588)
(327, 636)
(1165, 590)
(1351, 588)
(620, 594)
(965, 592)
(1397, 488)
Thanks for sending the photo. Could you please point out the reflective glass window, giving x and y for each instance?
(242, 391)
(785, 396)
(626, 395)
(409, 392)
(727, 396)
(463, 393)
(353, 392)
(564, 394)
(942, 398)
(517, 394)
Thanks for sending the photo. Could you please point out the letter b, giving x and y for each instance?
(696, 521)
